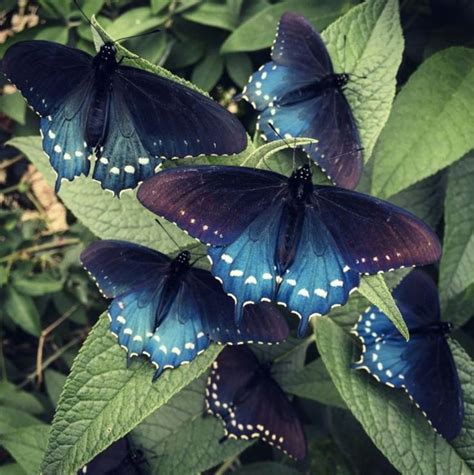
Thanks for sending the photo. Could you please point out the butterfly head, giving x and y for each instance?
(183, 258)
(106, 57)
(300, 182)
(341, 80)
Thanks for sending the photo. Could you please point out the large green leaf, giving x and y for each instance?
(457, 262)
(11, 419)
(103, 399)
(367, 42)
(258, 31)
(431, 125)
(27, 445)
(394, 424)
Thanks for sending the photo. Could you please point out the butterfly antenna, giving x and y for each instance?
(156, 30)
(84, 15)
(172, 239)
(286, 142)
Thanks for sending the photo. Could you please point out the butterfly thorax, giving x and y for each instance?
(262, 372)
(300, 188)
(318, 87)
(177, 269)
(434, 329)
(105, 64)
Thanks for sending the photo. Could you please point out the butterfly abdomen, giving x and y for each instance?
(289, 234)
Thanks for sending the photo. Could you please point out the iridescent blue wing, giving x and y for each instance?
(174, 121)
(423, 366)
(373, 235)
(262, 323)
(327, 118)
(251, 404)
(123, 161)
(246, 266)
(56, 81)
(319, 278)
(212, 203)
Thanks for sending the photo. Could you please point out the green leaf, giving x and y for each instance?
(258, 32)
(367, 42)
(375, 290)
(393, 423)
(239, 66)
(92, 7)
(425, 199)
(181, 423)
(12, 469)
(14, 106)
(15, 398)
(133, 22)
(213, 14)
(22, 310)
(27, 446)
(208, 71)
(40, 284)
(12, 419)
(457, 262)
(431, 125)
(158, 5)
(54, 381)
(312, 382)
(103, 399)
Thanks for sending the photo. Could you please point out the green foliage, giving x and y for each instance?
(433, 114)
(418, 155)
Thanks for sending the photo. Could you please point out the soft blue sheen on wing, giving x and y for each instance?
(271, 82)
(246, 267)
(318, 278)
(123, 161)
(63, 136)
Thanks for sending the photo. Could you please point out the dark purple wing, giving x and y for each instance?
(374, 235)
(174, 121)
(45, 72)
(251, 404)
(212, 203)
(262, 323)
(298, 45)
(118, 266)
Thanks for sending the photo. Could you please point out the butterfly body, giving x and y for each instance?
(301, 95)
(424, 365)
(284, 239)
(168, 310)
(129, 118)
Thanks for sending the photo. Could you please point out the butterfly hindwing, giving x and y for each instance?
(424, 365)
(251, 404)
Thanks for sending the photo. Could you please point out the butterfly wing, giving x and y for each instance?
(45, 72)
(261, 323)
(57, 83)
(124, 161)
(328, 119)
(373, 235)
(319, 278)
(423, 366)
(174, 121)
(212, 203)
(253, 407)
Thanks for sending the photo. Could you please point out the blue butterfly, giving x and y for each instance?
(243, 395)
(283, 239)
(130, 118)
(120, 458)
(299, 93)
(424, 365)
(168, 310)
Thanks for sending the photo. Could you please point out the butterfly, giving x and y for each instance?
(168, 310)
(130, 118)
(120, 458)
(424, 365)
(283, 239)
(299, 93)
(242, 393)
